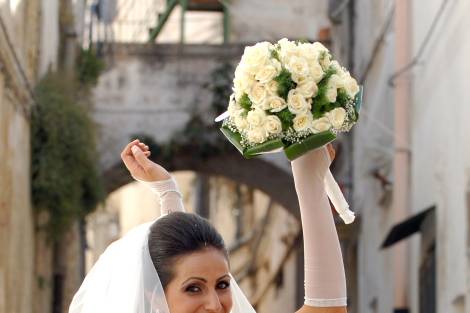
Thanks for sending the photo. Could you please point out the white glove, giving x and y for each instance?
(325, 281)
(170, 196)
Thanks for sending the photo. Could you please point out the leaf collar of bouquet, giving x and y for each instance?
(289, 96)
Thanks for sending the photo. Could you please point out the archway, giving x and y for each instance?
(256, 173)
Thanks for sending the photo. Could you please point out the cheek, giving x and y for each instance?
(180, 302)
(226, 301)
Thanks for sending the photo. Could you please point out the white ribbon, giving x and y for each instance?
(337, 198)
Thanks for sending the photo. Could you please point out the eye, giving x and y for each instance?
(193, 289)
(223, 285)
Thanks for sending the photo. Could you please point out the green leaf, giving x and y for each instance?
(286, 118)
(342, 99)
(264, 147)
(284, 83)
(234, 138)
(320, 103)
(312, 142)
(245, 102)
(275, 54)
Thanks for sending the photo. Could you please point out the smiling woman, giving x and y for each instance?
(179, 262)
(192, 263)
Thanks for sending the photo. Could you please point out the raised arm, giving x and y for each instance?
(325, 282)
(135, 157)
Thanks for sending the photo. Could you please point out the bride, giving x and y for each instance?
(179, 263)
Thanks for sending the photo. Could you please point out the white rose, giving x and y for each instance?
(288, 50)
(336, 117)
(307, 88)
(263, 106)
(255, 56)
(349, 84)
(233, 107)
(273, 125)
(257, 135)
(325, 60)
(336, 66)
(298, 66)
(238, 93)
(299, 79)
(297, 103)
(319, 46)
(240, 71)
(286, 43)
(331, 94)
(303, 122)
(271, 87)
(258, 93)
(243, 83)
(256, 118)
(316, 71)
(241, 123)
(335, 81)
(276, 104)
(266, 73)
(277, 65)
(308, 51)
(320, 125)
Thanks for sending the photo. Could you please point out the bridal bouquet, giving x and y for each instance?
(289, 96)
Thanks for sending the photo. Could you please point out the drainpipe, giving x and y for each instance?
(401, 162)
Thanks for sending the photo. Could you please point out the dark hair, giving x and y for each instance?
(177, 234)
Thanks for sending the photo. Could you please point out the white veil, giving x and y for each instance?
(124, 280)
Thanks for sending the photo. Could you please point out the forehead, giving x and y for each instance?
(207, 263)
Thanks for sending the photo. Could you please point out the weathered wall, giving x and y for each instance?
(16, 221)
(153, 90)
(440, 142)
(440, 152)
(250, 21)
(18, 58)
(256, 20)
(373, 153)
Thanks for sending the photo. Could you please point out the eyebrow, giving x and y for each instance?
(204, 280)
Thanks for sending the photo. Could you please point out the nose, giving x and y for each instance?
(213, 302)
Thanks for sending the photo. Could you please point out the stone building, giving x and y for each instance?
(411, 152)
(29, 47)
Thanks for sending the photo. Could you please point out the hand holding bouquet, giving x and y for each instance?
(291, 96)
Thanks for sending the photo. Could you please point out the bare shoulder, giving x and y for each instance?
(311, 309)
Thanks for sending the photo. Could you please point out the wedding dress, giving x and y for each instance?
(124, 279)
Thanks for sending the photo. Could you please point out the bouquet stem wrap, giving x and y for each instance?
(337, 198)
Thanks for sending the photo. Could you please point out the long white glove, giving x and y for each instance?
(325, 281)
(169, 194)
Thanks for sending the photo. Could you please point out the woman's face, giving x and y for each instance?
(201, 283)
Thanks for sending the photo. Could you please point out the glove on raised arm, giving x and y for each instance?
(325, 281)
(170, 196)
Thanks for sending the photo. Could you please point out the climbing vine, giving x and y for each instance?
(66, 182)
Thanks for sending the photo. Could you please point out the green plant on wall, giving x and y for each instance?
(89, 67)
(65, 178)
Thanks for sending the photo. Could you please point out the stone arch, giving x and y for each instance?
(256, 173)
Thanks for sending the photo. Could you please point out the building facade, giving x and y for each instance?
(411, 153)
(29, 48)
